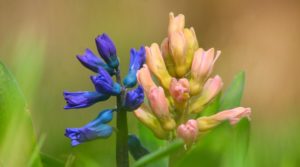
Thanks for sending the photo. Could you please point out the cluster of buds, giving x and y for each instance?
(105, 87)
(184, 87)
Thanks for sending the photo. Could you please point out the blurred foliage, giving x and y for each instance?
(17, 139)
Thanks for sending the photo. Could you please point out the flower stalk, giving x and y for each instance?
(122, 133)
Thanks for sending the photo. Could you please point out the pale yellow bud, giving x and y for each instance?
(156, 64)
(144, 114)
(168, 57)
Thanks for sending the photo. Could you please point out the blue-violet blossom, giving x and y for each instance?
(93, 62)
(104, 83)
(134, 98)
(83, 99)
(107, 50)
(93, 130)
(137, 59)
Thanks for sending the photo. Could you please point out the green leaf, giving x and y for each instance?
(152, 143)
(212, 107)
(160, 153)
(17, 139)
(233, 95)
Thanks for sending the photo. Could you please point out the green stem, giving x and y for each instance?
(174, 157)
(122, 133)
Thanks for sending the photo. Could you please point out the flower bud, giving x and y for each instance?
(202, 67)
(83, 99)
(232, 115)
(134, 98)
(92, 62)
(107, 50)
(176, 23)
(136, 149)
(191, 46)
(160, 108)
(149, 120)
(137, 59)
(157, 66)
(104, 83)
(211, 88)
(93, 130)
(188, 132)
(168, 57)
(87, 133)
(177, 46)
(144, 78)
(104, 117)
(179, 89)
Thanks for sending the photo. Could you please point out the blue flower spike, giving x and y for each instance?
(83, 99)
(137, 59)
(107, 50)
(106, 67)
(93, 62)
(93, 130)
(105, 84)
(134, 98)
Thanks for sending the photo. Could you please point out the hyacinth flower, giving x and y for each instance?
(106, 86)
(178, 83)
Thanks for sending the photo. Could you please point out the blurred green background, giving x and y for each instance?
(39, 41)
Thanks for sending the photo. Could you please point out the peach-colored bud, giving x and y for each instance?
(156, 64)
(176, 23)
(144, 115)
(211, 88)
(160, 108)
(232, 115)
(189, 131)
(202, 67)
(144, 78)
(168, 57)
(179, 89)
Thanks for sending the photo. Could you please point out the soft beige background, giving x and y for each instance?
(261, 37)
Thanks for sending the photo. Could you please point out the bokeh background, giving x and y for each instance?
(39, 41)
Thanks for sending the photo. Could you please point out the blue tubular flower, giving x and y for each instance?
(93, 62)
(134, 98)
(80, 135)
(93, 130)
(137, 59)
(107, 50)
(83, 99)
(104, 83)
